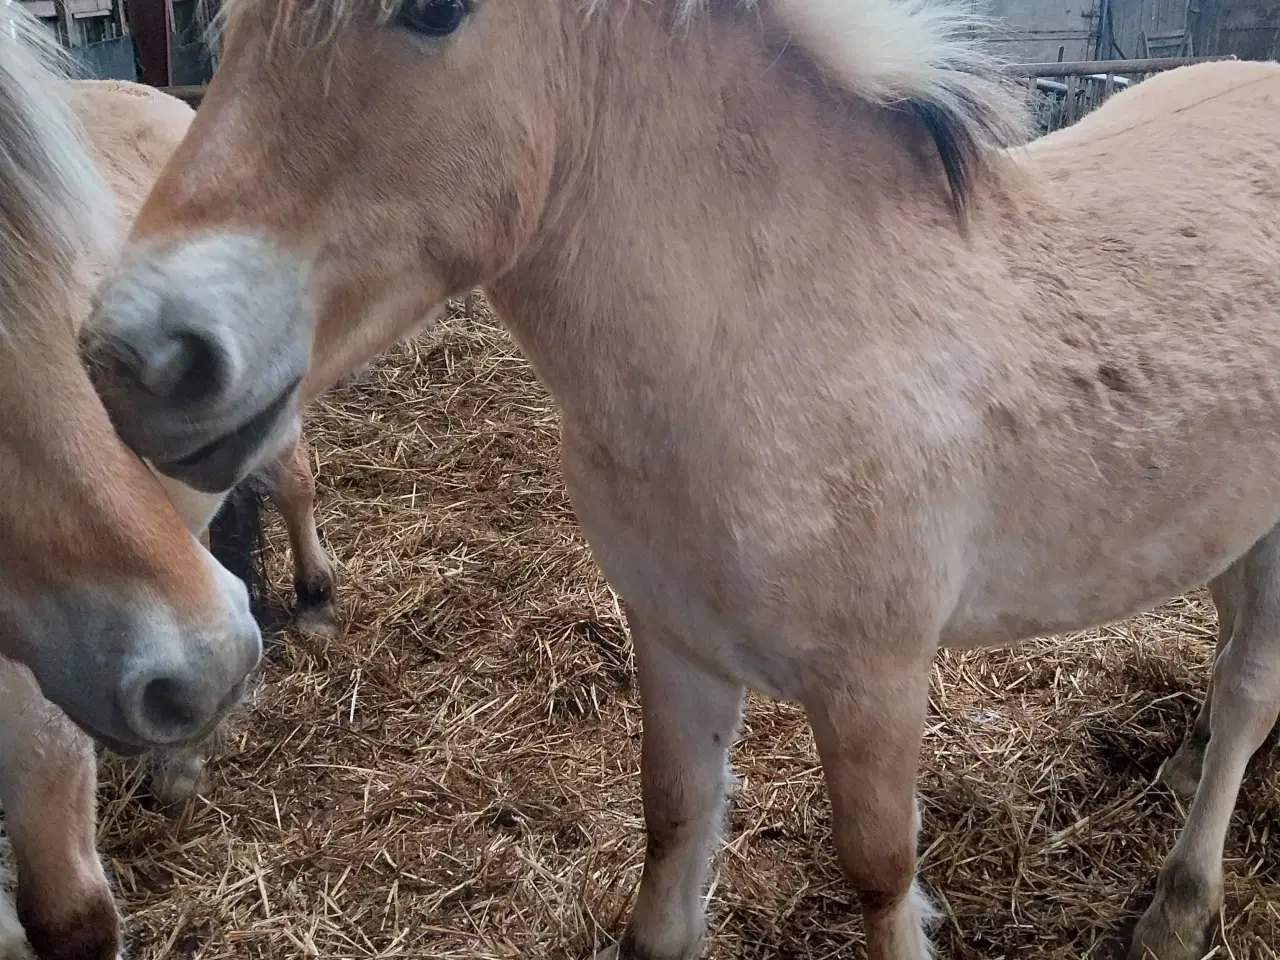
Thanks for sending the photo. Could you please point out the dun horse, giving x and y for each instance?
(127, 623)
(132, 130)
(48, 771)
(841, 380)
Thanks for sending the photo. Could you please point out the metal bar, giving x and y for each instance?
(1074, 68)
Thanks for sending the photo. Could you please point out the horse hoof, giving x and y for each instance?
(178, 776)
(1181, 772)
(322, 621)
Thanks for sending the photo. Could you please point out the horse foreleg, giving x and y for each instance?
(1245, 704)
(48, 779)
(1181, 773)
(292, 490)
(690, 721)
(868, 721)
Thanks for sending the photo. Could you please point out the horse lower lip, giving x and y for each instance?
(257, 424)
(116, 746)
(231, 448)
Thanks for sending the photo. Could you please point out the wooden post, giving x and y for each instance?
(149, 23)
(67, 23)
(1070, 68)
(1207, 25)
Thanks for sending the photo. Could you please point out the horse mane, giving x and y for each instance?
(55, 207)
(921, 57)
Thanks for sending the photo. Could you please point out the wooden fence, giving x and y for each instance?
(1064, 92)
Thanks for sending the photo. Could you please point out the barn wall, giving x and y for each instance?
(1046, 30)
(1035, 30)
(108, 60)
(1250, 29)
(1134, 19)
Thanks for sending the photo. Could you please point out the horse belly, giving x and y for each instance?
(1038, 586)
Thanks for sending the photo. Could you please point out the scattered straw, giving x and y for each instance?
(456, 778)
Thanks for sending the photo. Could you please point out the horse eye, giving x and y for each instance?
(433, 18)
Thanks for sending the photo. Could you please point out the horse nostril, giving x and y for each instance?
(162, 372)
(182, 369)
(167, 710)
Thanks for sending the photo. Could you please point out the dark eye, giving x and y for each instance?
(433, 18)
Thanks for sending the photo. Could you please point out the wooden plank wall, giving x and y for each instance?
(1035, 31)
(1249, 28)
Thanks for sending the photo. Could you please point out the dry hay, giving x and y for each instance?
(457, 776)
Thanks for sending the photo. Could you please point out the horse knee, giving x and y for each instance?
(881, 875)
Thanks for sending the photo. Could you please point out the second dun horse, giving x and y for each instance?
(841, 380)
(57, 210)
(105, 596)
(126, 622)
(132, 130)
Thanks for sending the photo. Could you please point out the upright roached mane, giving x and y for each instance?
(53, 202)
(921, 56)
(918, 55)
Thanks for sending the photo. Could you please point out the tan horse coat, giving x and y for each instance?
(47, 766)
(816, 424)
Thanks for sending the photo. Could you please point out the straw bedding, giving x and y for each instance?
(456, 777)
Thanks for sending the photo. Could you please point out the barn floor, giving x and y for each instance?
(457, 776)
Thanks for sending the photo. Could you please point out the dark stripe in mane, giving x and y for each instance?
(956, 149)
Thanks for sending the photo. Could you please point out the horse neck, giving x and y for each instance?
(715, 188)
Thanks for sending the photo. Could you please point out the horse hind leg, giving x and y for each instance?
(48, 781)
(291, 488)
(1244, 707)
(1181, 773)
(690, 722)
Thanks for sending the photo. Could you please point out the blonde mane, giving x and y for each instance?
(920, 56)
(54, 205)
